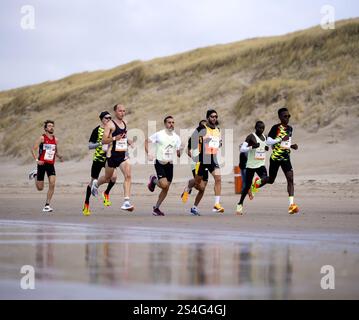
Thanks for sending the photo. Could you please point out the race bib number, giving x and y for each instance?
(260, 155)
(121, 145)
(213, 145)
(286, 144)
(50, 150)
(168, 153)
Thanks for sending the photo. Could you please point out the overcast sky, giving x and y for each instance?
(71, 36)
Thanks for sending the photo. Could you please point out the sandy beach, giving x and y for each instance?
(264, 254)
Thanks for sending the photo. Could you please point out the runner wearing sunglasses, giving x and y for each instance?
(207, 138)
(99, 162)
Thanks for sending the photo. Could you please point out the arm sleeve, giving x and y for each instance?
(270, 141)
(93, 145)
(244, 147)
(153, 138)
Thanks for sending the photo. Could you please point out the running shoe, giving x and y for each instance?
(32, 174)
(239, 210)
(185, 194)
(106, 199)
(293, 208)
(152, 183)
(194, 211)
(218, 208)
(255, 186)
(157, 212)
(86, 210)
(94, 188)
(47, 208)
(127, 206)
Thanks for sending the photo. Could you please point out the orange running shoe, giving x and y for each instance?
(218, 208)
(293, 208)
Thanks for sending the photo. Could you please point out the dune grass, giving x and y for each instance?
(313, 72)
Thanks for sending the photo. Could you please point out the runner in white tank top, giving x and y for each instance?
(256, 146)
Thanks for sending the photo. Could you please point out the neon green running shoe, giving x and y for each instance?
(86, 210)
(106, 199)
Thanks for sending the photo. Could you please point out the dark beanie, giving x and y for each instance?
(209, 112)
(104, 114)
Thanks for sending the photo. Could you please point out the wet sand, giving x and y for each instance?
(265, 254)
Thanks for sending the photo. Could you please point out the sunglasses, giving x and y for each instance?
(216, 117)
(107, 118)
(287, 116)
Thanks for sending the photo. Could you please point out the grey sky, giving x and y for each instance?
(72, 36)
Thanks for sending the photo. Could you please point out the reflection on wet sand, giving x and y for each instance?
(189, 265)
(182, 264)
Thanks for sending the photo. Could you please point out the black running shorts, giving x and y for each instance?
(203, 169)
(164, 171)
(205, 174)
(96, 168)
(261, 172)
(46, 167)
(274, 166)
(116, 162)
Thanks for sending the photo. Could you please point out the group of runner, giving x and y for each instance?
(254, 149)
(111, 143)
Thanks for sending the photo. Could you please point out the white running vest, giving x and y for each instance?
(257, 157)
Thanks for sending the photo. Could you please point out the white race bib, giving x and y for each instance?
(121, 145)
(286, 144)
(260, 154)
(168, 153)
(214, 142)
(49, 151)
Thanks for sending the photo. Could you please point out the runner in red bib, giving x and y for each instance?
(45, 151)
